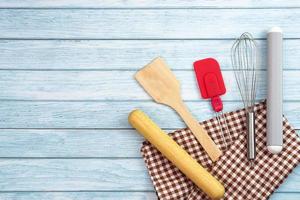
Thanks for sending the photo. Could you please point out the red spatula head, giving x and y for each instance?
(210, 81)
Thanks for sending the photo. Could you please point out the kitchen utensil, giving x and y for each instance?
(160, 83)
(211, 84)
(244, 62)
(274, 92)
(176, 154)
(241, 182)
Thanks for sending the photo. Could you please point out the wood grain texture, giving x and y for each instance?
(60, 143)
(88, 175)
(90, 114)
(145, 195)
(70, 143)
(154, 23)
(146, 4)
(107, 196)
(46, 82)
(126, 54)
(74, 175)
(113, 85)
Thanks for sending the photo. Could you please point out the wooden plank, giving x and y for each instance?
(146, 4)
(80, 195)
(69, 143)
(88, 175)
(154, 23)
(285, 196)
(125, 54)
(118, 85)
(74, 175)
(119, 54)
(107, 195)
(53, 114)
(28, 143)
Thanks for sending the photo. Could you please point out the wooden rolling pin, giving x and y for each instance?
(176, 154)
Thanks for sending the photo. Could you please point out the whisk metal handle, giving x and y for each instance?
(251, 146)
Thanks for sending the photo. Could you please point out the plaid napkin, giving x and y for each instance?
(240, 179)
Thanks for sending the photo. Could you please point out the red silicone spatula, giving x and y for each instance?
(211, 85)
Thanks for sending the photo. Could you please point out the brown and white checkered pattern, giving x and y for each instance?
(240, 179)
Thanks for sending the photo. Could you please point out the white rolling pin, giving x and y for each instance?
(274, 91)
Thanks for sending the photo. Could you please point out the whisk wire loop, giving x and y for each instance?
(244, 60)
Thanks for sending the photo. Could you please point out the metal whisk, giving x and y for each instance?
(244, 61)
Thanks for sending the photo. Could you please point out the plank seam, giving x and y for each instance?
(100, 191)
(127, 100)
(135, 39)
(155, 8)
(70, 158)
(20, 191)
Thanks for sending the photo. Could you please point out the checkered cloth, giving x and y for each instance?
(240, 179)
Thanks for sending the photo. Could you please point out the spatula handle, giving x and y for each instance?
(198, 131)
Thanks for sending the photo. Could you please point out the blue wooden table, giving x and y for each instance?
(66, 82)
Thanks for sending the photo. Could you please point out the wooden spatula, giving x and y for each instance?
(160, 83)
